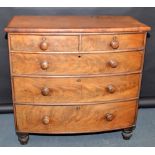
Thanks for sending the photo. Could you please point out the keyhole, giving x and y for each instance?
(79, 56)
(78, 108)
(43, 39)
(78, 80)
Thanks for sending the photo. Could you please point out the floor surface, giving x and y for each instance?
(144, 135)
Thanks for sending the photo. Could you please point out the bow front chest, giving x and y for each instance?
(75, 74)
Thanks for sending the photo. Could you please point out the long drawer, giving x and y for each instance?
(76, 64)
(74, 119)
(51, 90)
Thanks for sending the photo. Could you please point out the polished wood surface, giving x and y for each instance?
(66, 43)
(104, 42)
(75, 64)
(72, 119)
(59, 90)
(43, 43)
(75, 24)
(75, 74)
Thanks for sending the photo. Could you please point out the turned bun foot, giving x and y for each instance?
(126, 136)
(23, 138)
(127, 133)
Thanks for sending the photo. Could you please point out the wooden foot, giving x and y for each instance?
(127, 133)
(23, 138)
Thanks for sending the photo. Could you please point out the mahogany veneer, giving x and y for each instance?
(71, 90)
(75, 74)
(73, 119)
(76, 64)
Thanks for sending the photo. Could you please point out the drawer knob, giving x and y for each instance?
(44, 65)
(109, 117)
(46, 120)
(44, 45)
(111, 89)
(45, 91)
(114, 43)
(113, 63)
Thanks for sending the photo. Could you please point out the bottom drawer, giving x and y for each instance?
(75, 119)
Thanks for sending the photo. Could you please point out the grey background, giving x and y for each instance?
(145, 15)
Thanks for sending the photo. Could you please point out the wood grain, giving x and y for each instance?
(75, 74)
(75, 119)
(47, 24)
(75, 64)
(29, 90)
(33, 42)
(102, 42)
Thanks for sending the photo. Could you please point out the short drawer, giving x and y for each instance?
(112, 42)
(54, 90)
(38, 43)
(76, 64)
(74, 119)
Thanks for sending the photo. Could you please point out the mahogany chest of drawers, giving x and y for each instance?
(75, 74)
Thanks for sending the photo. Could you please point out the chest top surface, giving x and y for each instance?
(75, 24)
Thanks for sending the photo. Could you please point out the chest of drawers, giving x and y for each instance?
(75, 74)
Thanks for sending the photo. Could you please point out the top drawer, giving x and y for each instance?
(112, 42)
(38, 43)
(66, 43)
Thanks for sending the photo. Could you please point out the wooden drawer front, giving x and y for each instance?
(68, 90)
(70, 119)
(112, 42)
(34, 43)
(71, 64)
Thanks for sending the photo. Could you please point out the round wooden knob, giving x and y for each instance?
(114, 43)
(113, 63)
(45, 91)
(46, 120)
(111, 89)
(109, 117)
(44, 65)
(43, 45)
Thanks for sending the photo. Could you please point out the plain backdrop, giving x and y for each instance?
(145, 15)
